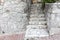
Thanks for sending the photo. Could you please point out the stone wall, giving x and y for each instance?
(53, 18)
(13, 18)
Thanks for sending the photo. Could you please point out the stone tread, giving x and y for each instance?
(37, 19)
(37, 26)
(37, 22)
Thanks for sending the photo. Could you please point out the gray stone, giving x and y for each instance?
(13, 19)
(54, 31)
(14, 7)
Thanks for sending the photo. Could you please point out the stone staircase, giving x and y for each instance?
(37, 21)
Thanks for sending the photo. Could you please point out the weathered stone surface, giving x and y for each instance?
(36, 33)
(53, 18)
(54, 31)
(54, 15)
(13, 19)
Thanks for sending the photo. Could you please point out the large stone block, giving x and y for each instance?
(13, 22)
(53, 15)
(13, 19)
(31, 33)
(54, 31)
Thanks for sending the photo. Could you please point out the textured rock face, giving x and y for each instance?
(12, 16)
(54, 18)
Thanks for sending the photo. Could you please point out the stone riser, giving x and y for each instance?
(37, 26)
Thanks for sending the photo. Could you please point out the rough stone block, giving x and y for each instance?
(54, 31)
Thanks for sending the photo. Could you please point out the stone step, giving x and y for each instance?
(32, 8)
(35, 16)
(37, 22)
(36, 19)
(36, 5)
(36, 33)
(36, 26)
(32, 26)
(32, 15)
(35, 10)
